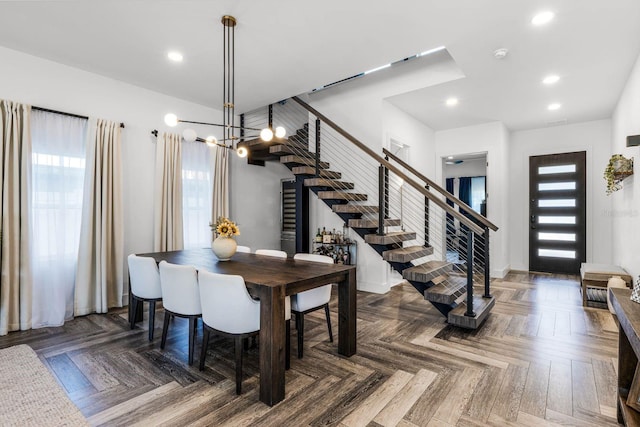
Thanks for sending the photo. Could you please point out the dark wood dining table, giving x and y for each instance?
(270, 279)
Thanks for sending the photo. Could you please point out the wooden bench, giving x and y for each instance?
(594, 278)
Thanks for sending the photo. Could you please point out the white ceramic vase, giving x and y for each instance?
(224, 247)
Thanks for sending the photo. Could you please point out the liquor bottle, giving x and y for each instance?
(318, 236)
(326, 237)
(333, 236)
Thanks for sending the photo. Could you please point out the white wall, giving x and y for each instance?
(594, 138)
(625, 214)
(473, 167)
(35, 81)
(359, 108)
(493, 139)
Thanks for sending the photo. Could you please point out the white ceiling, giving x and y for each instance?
(287, 47)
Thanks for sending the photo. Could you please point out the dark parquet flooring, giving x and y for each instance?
(539, 359)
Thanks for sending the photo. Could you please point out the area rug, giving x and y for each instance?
(30, 395)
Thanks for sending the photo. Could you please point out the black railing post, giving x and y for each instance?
(241, 127)
(487, 269)
(426, 219)
(317, 148)
(386, 190)
(470, 312)
(381, 199)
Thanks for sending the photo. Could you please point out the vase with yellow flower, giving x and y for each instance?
(224, 245)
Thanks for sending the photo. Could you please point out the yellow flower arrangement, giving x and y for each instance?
(225, 227)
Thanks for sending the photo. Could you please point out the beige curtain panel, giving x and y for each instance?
(220, 199)
(168, 234)
(100, 271)
(16, 282)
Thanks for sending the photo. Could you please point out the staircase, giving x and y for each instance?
(443, 283)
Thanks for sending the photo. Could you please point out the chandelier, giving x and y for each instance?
(229, 139)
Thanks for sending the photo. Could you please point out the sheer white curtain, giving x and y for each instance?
(58, 166)
(197, 173)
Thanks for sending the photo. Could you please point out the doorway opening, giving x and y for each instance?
(465, 177)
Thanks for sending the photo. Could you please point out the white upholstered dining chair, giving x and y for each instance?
(227, 310)
(311, 300)
(181, 298)
(271, 252)
(144, 284)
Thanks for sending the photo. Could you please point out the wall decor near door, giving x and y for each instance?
(618, 168)
(557, 212)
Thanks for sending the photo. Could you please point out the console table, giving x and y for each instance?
(628, 313)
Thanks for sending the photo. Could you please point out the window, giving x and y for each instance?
(197, 184)
(58, 164)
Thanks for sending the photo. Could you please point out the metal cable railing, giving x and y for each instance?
(393, 200)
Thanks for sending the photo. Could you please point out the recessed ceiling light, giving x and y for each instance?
(542, 18)
(175, 56)
(452, 102)
(554, 106)
(450, 157)
(549, 80)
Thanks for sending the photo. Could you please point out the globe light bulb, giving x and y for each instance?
(189, 135)
(211, 140)
(280, 132)
(171, 120)
(266, 135)
(242, 152)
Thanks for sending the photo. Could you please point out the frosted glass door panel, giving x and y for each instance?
(557, 203)
(557, 220)
(546, 170)
(557, 186)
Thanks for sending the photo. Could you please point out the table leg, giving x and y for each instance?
(272, 344)
(347, 315)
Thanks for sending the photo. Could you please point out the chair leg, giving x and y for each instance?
(300, 327)
(326, 312)
(287, 355)
(192, 337)
(205, 344)
(165, 328)
(152, 318)
(238, 365)
(134, 306)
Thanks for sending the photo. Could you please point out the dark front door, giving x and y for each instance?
(557, 212)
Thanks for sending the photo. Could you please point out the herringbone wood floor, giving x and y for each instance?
(540, 359)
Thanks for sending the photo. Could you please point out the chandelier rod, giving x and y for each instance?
(217, 124)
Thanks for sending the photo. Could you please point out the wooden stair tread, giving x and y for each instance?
(341, 195)
(389, 238)
(303, 161)
(257, 144)
(354, 209)
(373, 223)
(311, 170)
(447, 291)
(329, 183)
(481, 306)
(407, 254)
(427, 271)
(286, 149)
